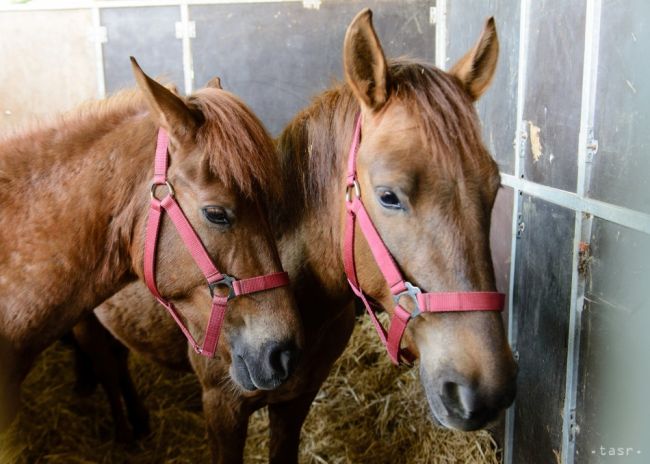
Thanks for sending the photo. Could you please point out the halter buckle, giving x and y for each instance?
(156, 184)
(412, 292)
(225, 281)
(357, 191)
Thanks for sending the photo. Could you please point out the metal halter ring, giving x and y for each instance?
(225, 281)
(412, 292)
(357, 191)
(167, 184)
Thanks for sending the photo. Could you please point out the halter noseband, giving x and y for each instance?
(399, 288)
(194, 245)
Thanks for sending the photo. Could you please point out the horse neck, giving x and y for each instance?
(313, 151)
(75, 195)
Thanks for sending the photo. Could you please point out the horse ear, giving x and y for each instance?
(171, 112)
(365, 66)
(476, 69)
(215, 83)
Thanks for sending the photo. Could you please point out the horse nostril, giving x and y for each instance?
(282, 359)
(461, 401)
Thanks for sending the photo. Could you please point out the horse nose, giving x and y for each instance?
(281, 359)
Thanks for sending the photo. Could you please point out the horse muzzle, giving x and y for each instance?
(265, 368)
(460, 405)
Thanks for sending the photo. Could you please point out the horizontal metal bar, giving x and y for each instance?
(626, 217)
(88, 4)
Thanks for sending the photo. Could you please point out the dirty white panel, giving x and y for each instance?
(612, 409)
(621, 165)
(47, 63)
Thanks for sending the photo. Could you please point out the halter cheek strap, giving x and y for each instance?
(201, 257)
(399, 287)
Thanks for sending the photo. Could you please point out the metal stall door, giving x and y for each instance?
(580, 230)
(276, 56)
(544, 258)
(148, 34)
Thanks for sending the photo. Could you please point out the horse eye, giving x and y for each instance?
(389, 199)
(216, 215)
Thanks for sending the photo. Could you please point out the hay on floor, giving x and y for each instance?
(367, 412)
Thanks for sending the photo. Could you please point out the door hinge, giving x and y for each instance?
(523, 139)
(521, 225)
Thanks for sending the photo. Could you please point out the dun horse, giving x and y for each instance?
(428, 186)
(74, 201)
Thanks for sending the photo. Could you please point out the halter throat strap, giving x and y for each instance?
(193, 244)
(357, 215)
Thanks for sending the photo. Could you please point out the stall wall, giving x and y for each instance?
(566, 118)
(275, 55)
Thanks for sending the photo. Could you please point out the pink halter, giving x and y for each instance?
(422, 302)
(197, 250)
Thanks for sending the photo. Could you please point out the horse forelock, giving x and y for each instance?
(236, 146)
(444, 114)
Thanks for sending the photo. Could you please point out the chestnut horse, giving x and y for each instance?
(428, 184)
(74, 200)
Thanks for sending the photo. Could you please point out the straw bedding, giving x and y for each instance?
(367, 412)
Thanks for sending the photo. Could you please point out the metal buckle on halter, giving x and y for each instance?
(357, 191)
(412, 292)
(156, 184)
(226, 281)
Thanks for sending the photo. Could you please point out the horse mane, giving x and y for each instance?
(314, 146)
